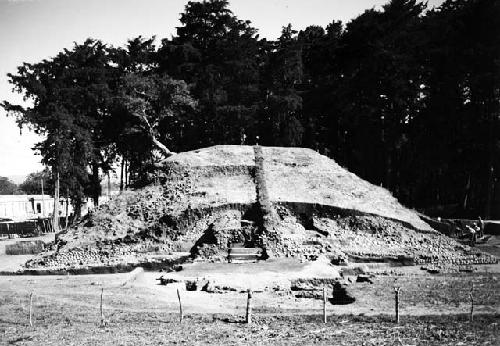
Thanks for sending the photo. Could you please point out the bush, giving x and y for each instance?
(25, 248)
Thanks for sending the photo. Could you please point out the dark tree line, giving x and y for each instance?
(405, 97)
(8, 187)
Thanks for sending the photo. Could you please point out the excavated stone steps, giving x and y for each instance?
(244, 254)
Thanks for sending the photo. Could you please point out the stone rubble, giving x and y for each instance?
(210, 199)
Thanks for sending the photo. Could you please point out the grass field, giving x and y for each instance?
(164, 329)
(434, 311)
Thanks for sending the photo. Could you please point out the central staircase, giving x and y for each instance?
(240, 254)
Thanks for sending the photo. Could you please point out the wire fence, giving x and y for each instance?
(32, 227)
(99, 303)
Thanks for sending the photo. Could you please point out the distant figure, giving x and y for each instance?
(40, 228)
(459, 231)
(473, 235)
(243, 137)
(480, 225)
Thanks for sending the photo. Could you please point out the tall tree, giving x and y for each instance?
(380, 88)
(460, 144)
(70, 97)
(159, 104)
(282, 104)
(405, 98)
(319, 88)
(218, 55)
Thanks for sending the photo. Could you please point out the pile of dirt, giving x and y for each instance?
(291, 202)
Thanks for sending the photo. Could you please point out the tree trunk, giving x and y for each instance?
(43, 200)
(55, 222)
(126, 174)
(67, 208)
(155, 141)
(384, 164)
(388, 170)
(166, 152)
(78, 210)
(467, 189)
(489, 193)
(96, 187)
(109, 187)
(121, 174)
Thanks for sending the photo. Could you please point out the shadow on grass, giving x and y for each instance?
(20, 339)
(231, 320)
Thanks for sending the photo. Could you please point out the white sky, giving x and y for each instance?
(32, 30)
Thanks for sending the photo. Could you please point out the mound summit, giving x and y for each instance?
(288, 202)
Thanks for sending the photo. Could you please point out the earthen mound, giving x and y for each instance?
(287, 202)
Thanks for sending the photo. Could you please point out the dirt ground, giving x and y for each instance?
(434, 308)
(434, 311)
(491, 245)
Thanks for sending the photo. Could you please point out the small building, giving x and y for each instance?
(26, 207)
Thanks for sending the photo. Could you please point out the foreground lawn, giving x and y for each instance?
(151, 329)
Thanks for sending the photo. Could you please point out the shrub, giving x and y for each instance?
(25, 248)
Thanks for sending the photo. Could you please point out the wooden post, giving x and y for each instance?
(324, 304)
(31, 309)
(248, 318)
(180, 305)
(102, 313)
(471, 296)
(396, 297)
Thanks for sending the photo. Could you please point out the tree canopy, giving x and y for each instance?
(405, 97)
(32, 185)
(7, 187)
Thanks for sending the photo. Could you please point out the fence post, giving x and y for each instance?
(249, 307)
(324, 304)
(471, 296)
(396, 298)
(180, 305)
(31, 309)
(102, 313)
